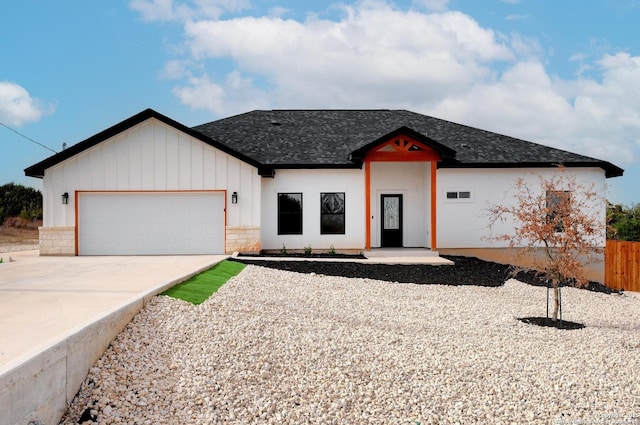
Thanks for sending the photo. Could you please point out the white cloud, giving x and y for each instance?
(154, 10)
(236, 95)
(168, 10)
(201, 93)
(374, 55)
(175, 69)
(17, 107)
(595, 118)
(441, 63)
(438, 5)
(516, 17)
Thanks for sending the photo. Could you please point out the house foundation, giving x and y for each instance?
(593, 271)
(57, 240)
(242, 239)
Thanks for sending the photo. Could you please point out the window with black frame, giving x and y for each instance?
(332, 219)
(558, 205)
(289, 213)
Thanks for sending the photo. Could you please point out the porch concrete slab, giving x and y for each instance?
(387, 256)
(44, 300)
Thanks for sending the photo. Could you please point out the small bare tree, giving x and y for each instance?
(559, 227)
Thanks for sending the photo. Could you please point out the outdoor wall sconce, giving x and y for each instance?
(234, 198)
(65, 198)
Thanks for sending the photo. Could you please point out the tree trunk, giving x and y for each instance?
(556, 299)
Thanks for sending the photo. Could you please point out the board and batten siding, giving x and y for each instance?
(153, 156)
(311, 183)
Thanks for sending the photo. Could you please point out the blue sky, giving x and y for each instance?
(562, 73)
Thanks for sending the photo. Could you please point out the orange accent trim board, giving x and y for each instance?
(399, 149)
(224, 247)
(367, 204)
(434, 199)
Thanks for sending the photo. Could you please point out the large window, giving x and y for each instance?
(558, 205)
(332, 213)
(289, 213)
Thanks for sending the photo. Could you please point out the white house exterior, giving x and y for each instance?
(147, 191)
(343, 180)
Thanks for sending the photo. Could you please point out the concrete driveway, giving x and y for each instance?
(45, 299)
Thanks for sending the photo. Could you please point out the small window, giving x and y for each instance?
(459, 195)
(332, 213)
(558, 208)
(289, 213)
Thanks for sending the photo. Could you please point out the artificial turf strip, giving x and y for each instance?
(198, 288)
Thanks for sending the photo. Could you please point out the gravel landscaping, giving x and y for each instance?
(279, 347)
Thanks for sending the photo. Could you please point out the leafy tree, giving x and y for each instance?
(623, 223)
(20, 201)
(561, 218)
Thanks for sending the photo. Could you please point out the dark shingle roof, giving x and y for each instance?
(338, 139)
(328, 138)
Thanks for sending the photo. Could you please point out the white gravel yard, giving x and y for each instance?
(275, 347)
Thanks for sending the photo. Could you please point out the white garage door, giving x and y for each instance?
(151, 223)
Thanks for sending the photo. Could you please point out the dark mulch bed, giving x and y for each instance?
(466, 271)
(312, 255)
(547, 322)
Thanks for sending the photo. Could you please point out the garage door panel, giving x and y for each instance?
(151, 223)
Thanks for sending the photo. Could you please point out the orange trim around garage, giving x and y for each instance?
(77, 206)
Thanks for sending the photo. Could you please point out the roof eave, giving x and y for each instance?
(609, 169)
(37, 170)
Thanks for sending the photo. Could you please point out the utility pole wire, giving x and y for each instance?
(26, 137)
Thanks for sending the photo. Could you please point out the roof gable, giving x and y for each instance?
(37, 170)
(404, 142)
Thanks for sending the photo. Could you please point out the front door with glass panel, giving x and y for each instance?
(391, 220)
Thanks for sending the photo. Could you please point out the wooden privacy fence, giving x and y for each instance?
(622, 265)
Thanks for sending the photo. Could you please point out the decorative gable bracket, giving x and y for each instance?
(403, 144)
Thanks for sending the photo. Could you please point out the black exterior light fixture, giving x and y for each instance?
(234, 198)
(65, 198)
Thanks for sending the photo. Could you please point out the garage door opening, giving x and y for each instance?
(151, 223)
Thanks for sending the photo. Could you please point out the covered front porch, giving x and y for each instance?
(401, 190)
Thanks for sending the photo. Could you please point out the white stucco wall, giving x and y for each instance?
(413, 181)
(464, 223)
(152, 156)
(311, 183)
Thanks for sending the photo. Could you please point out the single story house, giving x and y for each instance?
(349, 180)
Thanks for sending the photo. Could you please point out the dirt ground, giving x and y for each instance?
(18, 238)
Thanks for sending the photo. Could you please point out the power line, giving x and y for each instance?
(26, 137)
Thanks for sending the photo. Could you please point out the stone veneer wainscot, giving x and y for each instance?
(57, 240)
